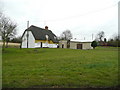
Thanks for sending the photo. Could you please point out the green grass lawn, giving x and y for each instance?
(45, 67)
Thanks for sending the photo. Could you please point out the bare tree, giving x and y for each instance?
(7, 29)
(100, 36)
(66, 35)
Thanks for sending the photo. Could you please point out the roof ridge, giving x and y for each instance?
(39, 27)
(35, 26)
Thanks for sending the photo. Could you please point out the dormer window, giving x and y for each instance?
(46, 37)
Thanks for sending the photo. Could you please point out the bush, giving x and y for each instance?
(94, 44)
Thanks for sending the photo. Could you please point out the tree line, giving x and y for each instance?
(102, 41)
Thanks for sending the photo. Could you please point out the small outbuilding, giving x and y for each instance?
(63, 44)
(76, 44)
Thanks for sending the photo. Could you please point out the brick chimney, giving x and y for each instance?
(46, 27)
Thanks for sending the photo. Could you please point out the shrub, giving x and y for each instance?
(94, 44)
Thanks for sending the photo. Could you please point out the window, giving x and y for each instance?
(47, 37)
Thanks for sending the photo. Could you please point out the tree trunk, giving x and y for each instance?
(3, 47)
(6, 44)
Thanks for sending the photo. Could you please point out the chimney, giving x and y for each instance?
(46, 27)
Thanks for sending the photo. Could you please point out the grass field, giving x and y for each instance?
(45, 67)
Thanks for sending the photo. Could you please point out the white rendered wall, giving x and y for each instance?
(73, 45)
(87, 46)
(38, 45)
(52, 45)
(63, 42)
(31, 40)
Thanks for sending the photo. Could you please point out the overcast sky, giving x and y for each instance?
(82, 17)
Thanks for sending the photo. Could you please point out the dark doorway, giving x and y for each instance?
(62, 45)
(68, 44)
(79, 46)
(41, 44)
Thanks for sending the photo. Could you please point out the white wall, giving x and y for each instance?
(38, 45)
(31, 40)
(87, 46)
(52, 45)
(64, 42)
(73, 45)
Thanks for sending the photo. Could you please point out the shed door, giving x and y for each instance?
(62, 45)
(79, 46)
